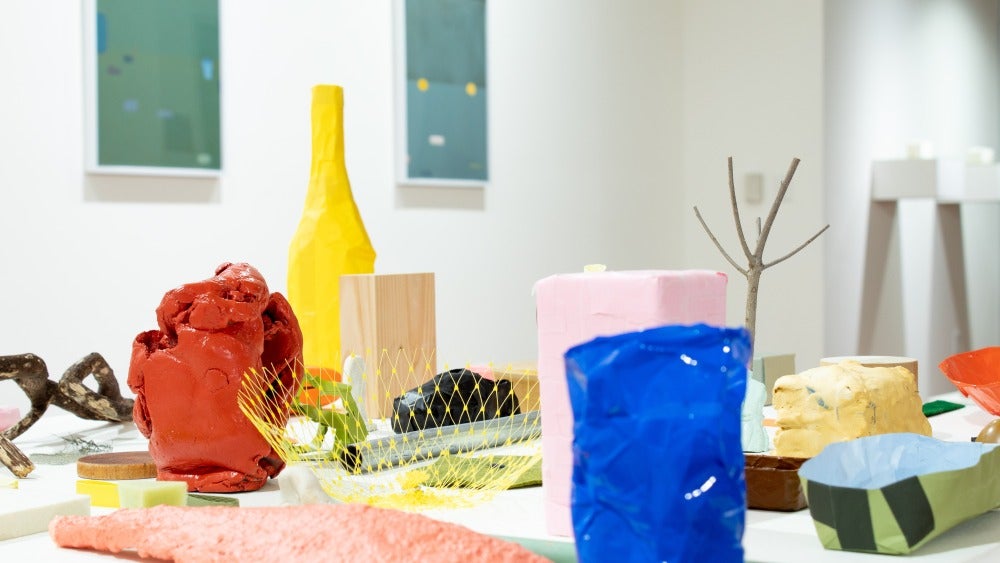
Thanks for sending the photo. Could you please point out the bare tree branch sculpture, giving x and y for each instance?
(756, 264)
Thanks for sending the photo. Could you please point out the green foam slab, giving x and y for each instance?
(211, 500)
(466, 471)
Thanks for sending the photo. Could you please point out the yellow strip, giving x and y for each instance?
(101, 493)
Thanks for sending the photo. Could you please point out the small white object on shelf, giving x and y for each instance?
(979, 155)
(919, 149)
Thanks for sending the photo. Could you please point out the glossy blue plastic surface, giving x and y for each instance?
(657, 458)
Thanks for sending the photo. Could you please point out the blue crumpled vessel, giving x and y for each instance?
(657, 458)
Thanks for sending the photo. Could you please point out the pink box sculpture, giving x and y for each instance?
(575, 308)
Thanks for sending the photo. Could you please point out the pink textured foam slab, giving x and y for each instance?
(9, 417)
(316, 532)
(575, 308)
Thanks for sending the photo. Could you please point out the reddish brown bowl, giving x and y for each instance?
(773, 482)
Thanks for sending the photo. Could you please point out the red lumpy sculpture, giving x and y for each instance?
(187, 376)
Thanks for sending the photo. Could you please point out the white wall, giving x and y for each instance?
(752, 89)
(608, 122)
(898, 70)
(584, 146)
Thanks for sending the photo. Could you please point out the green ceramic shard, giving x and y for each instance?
(940, 407)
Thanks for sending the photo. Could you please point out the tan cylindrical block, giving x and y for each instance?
(875, 362)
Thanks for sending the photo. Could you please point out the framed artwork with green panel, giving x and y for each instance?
(152, 87)
(441, 92)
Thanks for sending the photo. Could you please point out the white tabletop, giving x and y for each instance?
(769, 536)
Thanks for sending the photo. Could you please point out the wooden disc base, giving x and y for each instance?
(115, 466)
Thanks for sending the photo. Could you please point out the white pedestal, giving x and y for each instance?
(938, 179)
(914, 293)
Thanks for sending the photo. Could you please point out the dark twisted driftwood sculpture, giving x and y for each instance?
(70, 394)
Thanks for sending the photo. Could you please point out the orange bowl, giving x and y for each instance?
(977, 376)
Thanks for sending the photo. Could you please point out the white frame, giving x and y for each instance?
(402, 177)
(91, 166)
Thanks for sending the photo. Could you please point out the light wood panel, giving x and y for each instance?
(389, 321)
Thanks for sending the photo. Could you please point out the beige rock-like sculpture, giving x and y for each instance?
(842, 402)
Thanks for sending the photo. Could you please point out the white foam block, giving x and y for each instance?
(26, 512)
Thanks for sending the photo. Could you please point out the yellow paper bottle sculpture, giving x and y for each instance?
(330, 240)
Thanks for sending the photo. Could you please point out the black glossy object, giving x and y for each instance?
(453, 397)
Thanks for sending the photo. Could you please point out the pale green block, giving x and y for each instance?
(768, 368)
(143, 494)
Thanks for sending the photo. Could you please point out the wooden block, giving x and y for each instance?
(23, 513)
(524, 376)
(116, 466)
(389, 321)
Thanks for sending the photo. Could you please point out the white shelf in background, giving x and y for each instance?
(941, 179)
(982, 182)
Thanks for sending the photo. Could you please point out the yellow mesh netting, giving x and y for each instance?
(482, 439)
